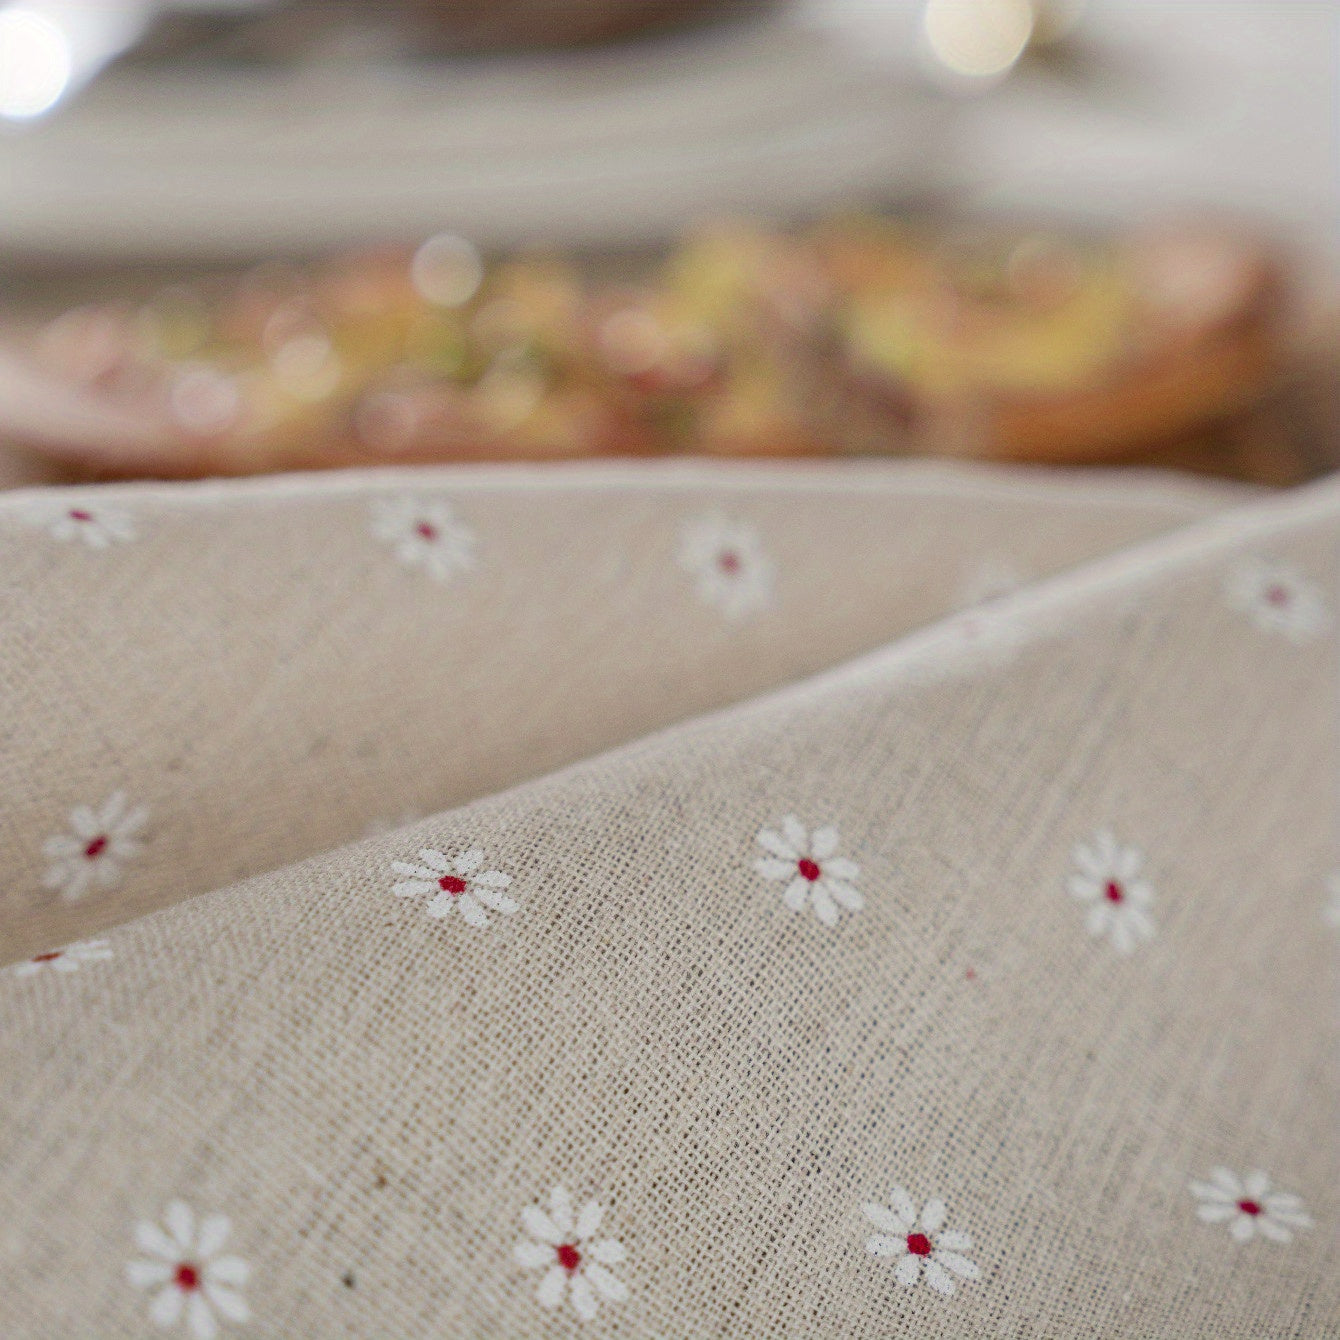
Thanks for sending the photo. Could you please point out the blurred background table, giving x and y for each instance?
(783, 109)
(288, 134)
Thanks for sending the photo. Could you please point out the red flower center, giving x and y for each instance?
(187, 1277)
(1249, 1207)
(1114, 893)
(426, 530)
(729, 561)
(568, 1256)
(96, 847)
(918, 1244)
(1277, 595)
(452, 884)
(78, 514)
(47, 957)
(809, 869)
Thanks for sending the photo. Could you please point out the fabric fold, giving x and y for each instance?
(981, 986)
(203, 682)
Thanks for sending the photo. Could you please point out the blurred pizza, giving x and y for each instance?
(858, 335)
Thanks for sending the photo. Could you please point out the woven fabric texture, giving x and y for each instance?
(266, 670)
(980, 986)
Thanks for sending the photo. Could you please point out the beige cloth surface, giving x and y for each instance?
(983, 986)
(256, 668)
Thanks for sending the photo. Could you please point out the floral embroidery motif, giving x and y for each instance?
(727, 561)
(924, 1248)
(813, 872)
(68, 959)
(455, 881)
(1278, 599)
(94, 852)
(96, 526)
(1107, 882)
(574, 1261)
(1249, 1207)
(187, 1273)
(425, 533)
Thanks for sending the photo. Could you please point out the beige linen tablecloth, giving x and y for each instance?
(981, 986)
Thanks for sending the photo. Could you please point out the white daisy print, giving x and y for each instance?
(813, 871)
(1278, 599)
(188, 1276)
(92, 524)
(925, 1249)
(455, 881)
(1107, 881)
(728, 564)
(425, 533)
(1249, 1207)
(94, 852)
(575, 1262)
(68, 959)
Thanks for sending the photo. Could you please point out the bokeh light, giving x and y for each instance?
(447, 270)
(977, 40)
(36, 63)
